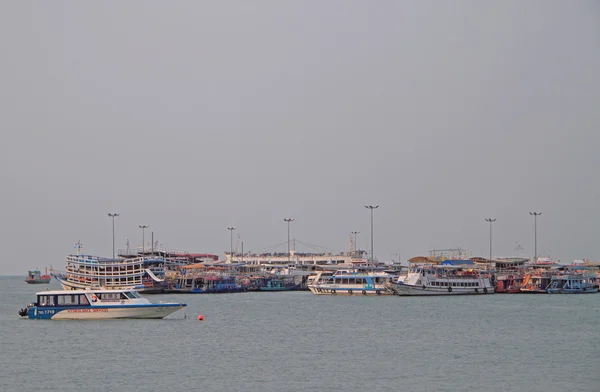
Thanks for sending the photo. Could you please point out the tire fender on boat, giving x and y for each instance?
(332, 291)
(377, 292)
(485, 290)
(349, 291)
(364, 292)
(449, 289)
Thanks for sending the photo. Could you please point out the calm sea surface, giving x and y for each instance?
(293, 341)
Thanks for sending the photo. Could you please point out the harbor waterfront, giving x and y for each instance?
(294, 340)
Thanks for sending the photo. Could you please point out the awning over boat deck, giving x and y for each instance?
(194, 266)
(457, 262)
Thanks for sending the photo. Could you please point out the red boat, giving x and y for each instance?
(36, 277)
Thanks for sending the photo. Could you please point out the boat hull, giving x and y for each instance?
(590, 290)
(349, 291)
(38, 281)
(412, 290)
(149, 311)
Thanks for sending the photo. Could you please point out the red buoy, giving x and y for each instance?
(201, 317)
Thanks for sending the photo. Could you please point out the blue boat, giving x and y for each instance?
(572, 284)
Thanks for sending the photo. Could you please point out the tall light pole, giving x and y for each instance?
(231, 229)
(143, 227)
(535, 215)
(372, 208)
(355, 233)
(289, 220)
(112, 215)
(490, 220)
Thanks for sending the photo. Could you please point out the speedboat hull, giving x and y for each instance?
(151, 311)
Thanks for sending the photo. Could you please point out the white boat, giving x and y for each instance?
(144, 274)
(430, 279)
(350, 283)
(96, 305)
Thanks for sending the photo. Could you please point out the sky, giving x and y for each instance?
(192, 117)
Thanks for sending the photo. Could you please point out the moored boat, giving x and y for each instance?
(536, 282)
(509, 283)
(427, 279)
(96, 304)
(36, 277)
(282, 283)
(144, 274)
(350, 283)
(571, 284)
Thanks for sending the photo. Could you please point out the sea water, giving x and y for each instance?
(295, 341)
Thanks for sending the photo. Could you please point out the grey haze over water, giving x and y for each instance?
(192, 117)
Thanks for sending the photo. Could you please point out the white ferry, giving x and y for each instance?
(441, 280)
(95, 305)
(350, 283)
(144, 274)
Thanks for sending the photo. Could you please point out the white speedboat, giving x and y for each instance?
(442, 280)
(96, 304)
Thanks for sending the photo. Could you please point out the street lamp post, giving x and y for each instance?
(372, 208)
(355, 233)
(289, 220)
(231, 229)
(490, 220)
(112, 215)
(143, 227)
(535, 215)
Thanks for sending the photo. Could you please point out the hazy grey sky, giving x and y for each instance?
(194, 116)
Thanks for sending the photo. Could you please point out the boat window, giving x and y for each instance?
(83, 300)
(46, 300)
(110, 296)
(68, 299)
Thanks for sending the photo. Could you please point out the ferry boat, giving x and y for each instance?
(536, 282)
(36, 277)
(343, 282)
(278, 284)
(429, 279)
(144, 274)
(571, 284)
(95, 304)
(509, 282)
(212, 281)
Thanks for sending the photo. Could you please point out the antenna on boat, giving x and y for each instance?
(127, 244)
(78, 246)
(518, 248)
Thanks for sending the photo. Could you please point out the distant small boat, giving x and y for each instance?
(36, 277)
